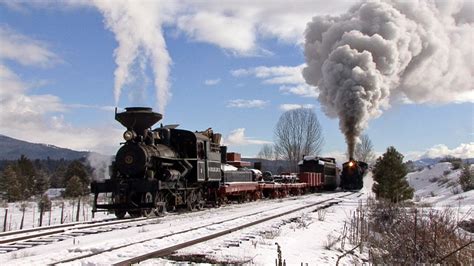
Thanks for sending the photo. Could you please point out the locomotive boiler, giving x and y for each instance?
(159, 169)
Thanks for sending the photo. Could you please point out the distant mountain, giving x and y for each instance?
(421, 163)
(12, 149)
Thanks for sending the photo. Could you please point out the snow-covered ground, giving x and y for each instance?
(171, 223)
(303, 236)
(53, 217)
(437, 186)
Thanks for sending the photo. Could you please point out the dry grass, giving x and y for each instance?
(397, 234)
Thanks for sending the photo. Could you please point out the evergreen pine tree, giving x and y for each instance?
(74, 187)
(41, 183)
(389, 173)
(12, 184)
(76, 168)
(27, 174)
(58, 175)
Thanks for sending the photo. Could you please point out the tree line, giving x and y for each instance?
(23, 179)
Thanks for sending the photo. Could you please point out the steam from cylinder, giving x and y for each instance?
(383, 52)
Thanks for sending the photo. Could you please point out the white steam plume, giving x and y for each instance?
(137, 26)
(380, 52)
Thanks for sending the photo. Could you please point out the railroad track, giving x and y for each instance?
(172, 242)
(13, 241)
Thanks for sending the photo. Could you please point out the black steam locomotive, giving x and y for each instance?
(161, 168)
(352, 174)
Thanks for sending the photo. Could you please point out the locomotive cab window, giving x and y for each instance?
(200, 148)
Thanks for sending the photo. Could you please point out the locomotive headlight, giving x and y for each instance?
(128, 135)
(351, 163)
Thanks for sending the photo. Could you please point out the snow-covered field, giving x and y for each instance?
(438, 186)
(171, 223)
(53, 217)
(303, 236)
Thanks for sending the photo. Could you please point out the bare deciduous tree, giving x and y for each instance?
(298, 133)
(365, 150)
(266, 152)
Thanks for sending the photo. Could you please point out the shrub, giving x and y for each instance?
(466, 180)
(402, 235)
(44, 204)
(455, 162)
(442, 180)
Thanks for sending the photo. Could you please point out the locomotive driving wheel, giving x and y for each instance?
(120, 214)
(194, 200)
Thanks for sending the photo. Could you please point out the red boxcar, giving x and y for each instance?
(311, 178)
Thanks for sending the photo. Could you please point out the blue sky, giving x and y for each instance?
(58, 86)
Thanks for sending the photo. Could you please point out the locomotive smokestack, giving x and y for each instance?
(138, 118)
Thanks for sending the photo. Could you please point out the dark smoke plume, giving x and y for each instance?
(381, 52)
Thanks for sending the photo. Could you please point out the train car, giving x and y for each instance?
(325, 166)
(352, 174)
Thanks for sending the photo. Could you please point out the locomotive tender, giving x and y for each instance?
(165, 168)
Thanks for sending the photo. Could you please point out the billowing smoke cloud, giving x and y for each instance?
(381, 52)
(138, 31)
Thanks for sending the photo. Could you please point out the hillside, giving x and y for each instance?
(438, 186)
(12, 149)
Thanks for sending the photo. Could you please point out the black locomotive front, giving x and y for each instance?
(352, 174)
(157, 169)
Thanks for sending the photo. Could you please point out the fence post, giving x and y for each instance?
(62, 212)
(78, 208)
(34, 212)
(41, 216)
(5, 221)
(22, 217)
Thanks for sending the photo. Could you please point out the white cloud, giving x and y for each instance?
(228, 32)
(290, 106)
(274, 74)
(24, 50)
(238, 26)
(289, 78)
(240, 103)
(237, 138)
(210, 82)
(303, 90)
(39, 117)
(464, 150)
